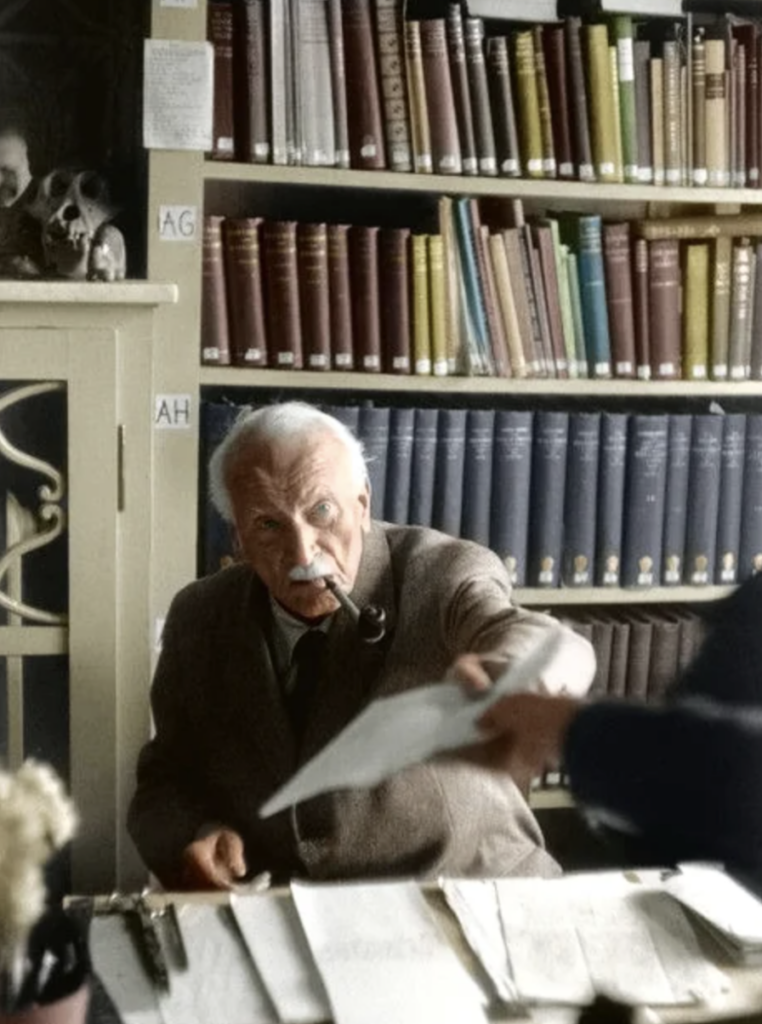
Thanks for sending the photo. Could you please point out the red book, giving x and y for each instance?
(440, 103)
(340, 295)
(284, 330)
(365, 122)
(215, 333)
(243, 273)
(664, 308)
(366, 321)
(314, 302)
(394, 294)
(617, 266)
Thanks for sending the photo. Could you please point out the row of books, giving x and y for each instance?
(354, 83)
(566, 498)
(565, 297)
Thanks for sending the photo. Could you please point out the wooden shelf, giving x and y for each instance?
(83, 293)
(231, 376)
(572, 596)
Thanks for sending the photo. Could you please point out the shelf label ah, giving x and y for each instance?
(172, 412)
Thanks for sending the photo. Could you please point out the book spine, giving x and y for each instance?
(580, 502)
(602, 123)
(391, 66)
(610, 495)
(394, 294)
(251, 96)
(575, 297)
(642, 57)
(623, 34)
(294, 114)
(453, 311)
(544, 237)
(577, 92)
(456, 49)
(399, 464)
(314, 297)
(484, 134)
(644, 500)
(511, 473)
(219, 32)
(448, 477)
(518, 281)
(753, 108)
(739, 356)
(284, 328)
(620, 653)
(617, 263)
(639, 663)
(419, 115)
(504, 114)
(703, 498)
(500, 360)
(528, 105)
(716, 115)
(366, 316)
(437, 306)
(215, 329)
(593, 292)
(720, 330)
(641, 309)
(756, 326)
(662, 669)
(557, 75)
(549, 460)
(470, 278)
(421, 306)
(698, 95)
(243, 275)
(366, 138)
(696, 312)
(664, 308)
(731, 497)
(339, 293)
(507, 306)
(440, 103)
(671, 72)
(549, 166)
(316, 126)
(477, 475)
(278, 90)
(750, 556)
(425, 433)
(373, 432)
(338, 83)
(560, 253)
(676, 498)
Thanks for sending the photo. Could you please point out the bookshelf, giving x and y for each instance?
(229, 188)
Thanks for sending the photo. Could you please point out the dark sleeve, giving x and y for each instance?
(685, 778)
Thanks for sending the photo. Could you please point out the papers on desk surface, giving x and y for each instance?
(398, 731)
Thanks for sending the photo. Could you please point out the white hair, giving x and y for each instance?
(271, 423)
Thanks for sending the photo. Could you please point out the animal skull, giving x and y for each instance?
(71, 207)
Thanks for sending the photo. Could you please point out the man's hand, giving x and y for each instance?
(214, 861)
(525, 733)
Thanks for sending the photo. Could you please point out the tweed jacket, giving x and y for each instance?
(223, 741)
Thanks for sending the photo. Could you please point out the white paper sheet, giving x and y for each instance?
(221, 984)
(398, 731)
(712, 894)
(117, 963)
(178, 90)
(382, 956)
(278, 946)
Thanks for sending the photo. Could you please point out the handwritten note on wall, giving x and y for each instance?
(178, 90)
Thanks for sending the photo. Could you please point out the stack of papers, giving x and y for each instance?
(728, 910)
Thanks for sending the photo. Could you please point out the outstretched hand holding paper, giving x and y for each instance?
(394, 732)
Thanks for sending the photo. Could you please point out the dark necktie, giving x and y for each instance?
(308, 659)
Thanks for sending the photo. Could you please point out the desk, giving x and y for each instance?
(743, 999)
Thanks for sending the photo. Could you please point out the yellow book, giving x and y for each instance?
(715, 105)
(437, 306)
(421, 318)
(419, 114)
(696, 315)
(507, 306)
(601, 98)
(720, 332)
(453, 316)
(528, 103)
(657, 119)
(614, 79)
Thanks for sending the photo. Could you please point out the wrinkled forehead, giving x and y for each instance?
(295, 465)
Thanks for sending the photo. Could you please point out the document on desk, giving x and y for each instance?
(278, 946)
(565, 940)
(382, 956)
(408, 728)
(116, 961)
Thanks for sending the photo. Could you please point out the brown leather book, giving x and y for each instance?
(366, 314)
(440, 102)
(501, 355)
(543, 239)
(281, 275)
(394, 295)
(456, 49)
(251, 82)
(524, 300)
(603, 641)
(391, 67)
(366, 134)
(215, 333)
(664, 661)
(243, 273)
(578, 106)
(484, 133)
(340, 295)
(617, 266)
(640, 309)
(338, 83)
(314, 301)
(543, 99)
(554, 49)
(664, 308)
(503, 108)
(620, 649)
(641, 54)
(219, 32)
(639, 661)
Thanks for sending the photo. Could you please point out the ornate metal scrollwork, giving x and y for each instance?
(36, 529)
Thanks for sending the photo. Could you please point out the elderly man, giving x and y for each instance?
(234, 718)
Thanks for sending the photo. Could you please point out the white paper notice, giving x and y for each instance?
(117, 963)
(398, 731)
(178, 91)
(221, 983)
(382, 956)
(277, 944)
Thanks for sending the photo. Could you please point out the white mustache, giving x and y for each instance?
(317, 569)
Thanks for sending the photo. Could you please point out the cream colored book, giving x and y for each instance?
(507, 306)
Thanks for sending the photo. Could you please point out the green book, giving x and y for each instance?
(572, 277)
(567, 321)
(623, 36)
